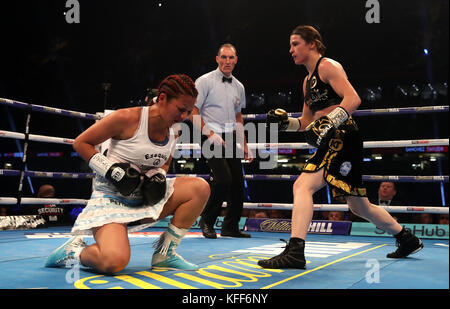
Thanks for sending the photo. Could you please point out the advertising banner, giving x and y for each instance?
(433, 231)
(284, 226)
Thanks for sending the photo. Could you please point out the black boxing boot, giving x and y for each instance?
(407, 243)
(293, 256)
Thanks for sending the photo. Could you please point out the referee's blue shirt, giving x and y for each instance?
(218, 102)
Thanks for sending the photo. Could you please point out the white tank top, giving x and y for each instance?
(139, 151)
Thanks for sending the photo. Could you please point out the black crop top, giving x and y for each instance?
(319, 95)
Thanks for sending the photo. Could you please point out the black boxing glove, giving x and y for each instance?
(319, 132)
(285, 123)
(124, 177)
(154, 186)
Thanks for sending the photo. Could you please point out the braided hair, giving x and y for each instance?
(177, 85)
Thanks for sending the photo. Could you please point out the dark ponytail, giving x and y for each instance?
(310, 35)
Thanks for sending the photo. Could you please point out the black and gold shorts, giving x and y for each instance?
(342, 161)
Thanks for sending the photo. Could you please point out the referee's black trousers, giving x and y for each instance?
(227, 184)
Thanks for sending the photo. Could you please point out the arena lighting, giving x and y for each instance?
(372, 94)
(442, 88)
(429, 92)
(257, 99)
(414, 91)
(401, 92)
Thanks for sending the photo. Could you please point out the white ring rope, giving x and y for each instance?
(374, 178)
(42, 201)
(274, 206)
(344, 207)
(37, 138)
(373, 144)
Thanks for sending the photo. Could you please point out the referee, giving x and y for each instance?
(220, 100)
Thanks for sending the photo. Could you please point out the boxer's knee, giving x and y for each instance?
(114, 261)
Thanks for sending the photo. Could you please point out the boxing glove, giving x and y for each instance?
(285, 123)
(124, 177)
(154, 186)
(319, 132)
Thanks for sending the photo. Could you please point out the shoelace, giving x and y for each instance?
(278, 259)
(286, 247)
(165, 247)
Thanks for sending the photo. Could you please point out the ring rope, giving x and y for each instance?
(50, 110)
(371, 112)
(369, 178)
(39, 174)
(274, 206)
(42, 201)
(344, 207)
(368, 144)
(98, 116)
(37, 138)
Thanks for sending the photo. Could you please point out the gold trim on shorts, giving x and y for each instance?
(340, 188)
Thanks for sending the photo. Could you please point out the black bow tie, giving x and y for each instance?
(226, 79)
(384, 202)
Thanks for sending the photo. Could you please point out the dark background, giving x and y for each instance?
(134, 44)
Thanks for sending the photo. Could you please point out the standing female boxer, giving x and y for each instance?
(326, 120)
